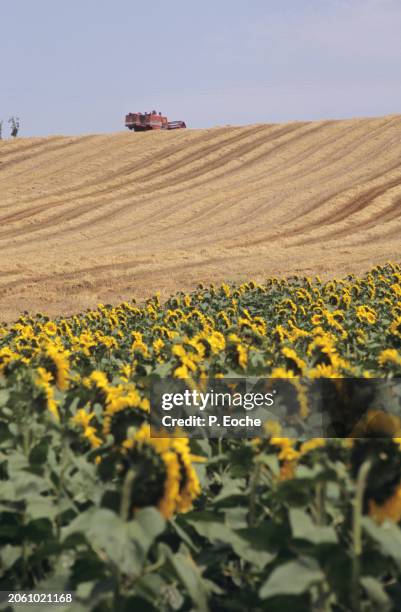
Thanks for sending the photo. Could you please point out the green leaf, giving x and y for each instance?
(271, 461)
(38, 454)
(189, 575)
(376, 593)
(27, 484)
(86, 569)
(162, 369)
(151, 585)
(8, 556)
(39, 530)
(292, 578)
(218, 532)
(83, 483)
(236, 518)
(4, 397)
(230, 488)
(182, 534)
(295, 492)
(16, 462)
(387, 536)
(122, 544)
(148, 524)
(308, 473)
(7, 491)
(269, 535)
(39, 506)
(303, 528)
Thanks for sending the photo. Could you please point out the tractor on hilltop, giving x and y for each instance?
(142, 122)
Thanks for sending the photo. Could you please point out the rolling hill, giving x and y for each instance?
(102, 218)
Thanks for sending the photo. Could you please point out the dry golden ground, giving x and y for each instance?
(115, 216)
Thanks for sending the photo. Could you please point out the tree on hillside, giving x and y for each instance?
(14, 126)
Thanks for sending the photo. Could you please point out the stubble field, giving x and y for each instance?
(103, 218)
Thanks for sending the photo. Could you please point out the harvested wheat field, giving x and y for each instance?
(103, 218)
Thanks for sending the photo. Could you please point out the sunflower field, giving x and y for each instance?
(91, 504)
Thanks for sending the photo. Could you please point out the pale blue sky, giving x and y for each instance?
(78, 66)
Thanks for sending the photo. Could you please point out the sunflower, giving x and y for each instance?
(124, 408)
(181, 372)
(377, 424)
(322, 370)
(58, 364)
(43, 380)
(311, 445)
(177, 485)
(242, 356)
(189, 485)
(282, 373)
(396, 287)
(293, 361)
(287, 456)
(333, 299)
(365, 314)
(395, 327)
(50, 328)
(7, 355)
(216, 342)
(389, 356)
(388, 510)
(384, 477)
(83, 419)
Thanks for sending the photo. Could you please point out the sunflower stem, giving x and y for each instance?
(252, 494)
(357, 534)
(126, 494)
(320, 493)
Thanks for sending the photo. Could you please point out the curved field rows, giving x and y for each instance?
(108, 217)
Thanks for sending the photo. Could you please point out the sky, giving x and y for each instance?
(79, 66)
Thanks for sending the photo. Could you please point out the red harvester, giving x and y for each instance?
(142, 122)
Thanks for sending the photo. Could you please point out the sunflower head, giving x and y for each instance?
(384, 476)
